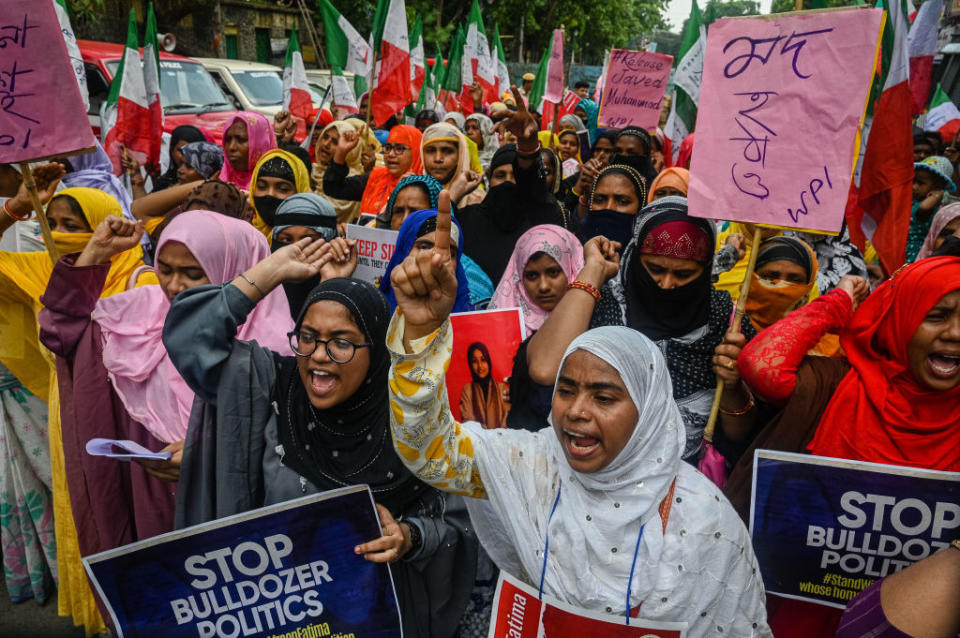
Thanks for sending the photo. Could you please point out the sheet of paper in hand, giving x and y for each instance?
(123, 450)
(519, 613)
(283, 570)
(633, 88)
(781, 106)
(41, 109)
(484, 345)
(825, 529)
(374, 249)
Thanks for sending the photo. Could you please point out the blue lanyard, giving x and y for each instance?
(546, 550)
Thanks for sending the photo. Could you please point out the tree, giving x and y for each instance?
(727, 9)
(668, 43)
(782, 6)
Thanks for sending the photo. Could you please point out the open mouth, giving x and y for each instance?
(943, 366)
(322, 382)
(580, 445)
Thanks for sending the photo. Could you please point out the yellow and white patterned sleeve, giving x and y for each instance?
(428, 439)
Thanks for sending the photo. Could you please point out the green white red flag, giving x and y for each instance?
(296, 89)
(126, 119)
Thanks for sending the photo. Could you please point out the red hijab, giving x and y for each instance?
(879, 413)
(381, 183)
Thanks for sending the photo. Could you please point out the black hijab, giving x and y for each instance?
(350, 443)
(184, 133)
(612, 224)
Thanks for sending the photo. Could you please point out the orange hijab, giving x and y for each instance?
(381, 183)
(676, 177)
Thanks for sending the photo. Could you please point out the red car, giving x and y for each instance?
(189, 93)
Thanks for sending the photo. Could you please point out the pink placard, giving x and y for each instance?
(633, 89)
(553, 92)
(41, 111)
(781, 104)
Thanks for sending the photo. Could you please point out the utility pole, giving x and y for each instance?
(319, 57)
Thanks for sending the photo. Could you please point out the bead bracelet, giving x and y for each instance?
(587, 288)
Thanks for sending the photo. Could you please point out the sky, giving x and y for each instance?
(679, 10)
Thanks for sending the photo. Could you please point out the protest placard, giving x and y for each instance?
(286, 569)
(484, 344)
(633, 88)
(824, 529)
(518, 612)
(374, 249)
(41, 109)
(781, 106)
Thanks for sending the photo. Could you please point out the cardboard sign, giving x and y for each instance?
(825, 529)
(287, 569)
(484, 344)
(780, 110)
(41, 109)
(374, 249)
(519, 613)
(633, 88)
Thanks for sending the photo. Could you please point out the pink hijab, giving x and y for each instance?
(261, 139)
(940, 221)
(555, 241)
(131, 323)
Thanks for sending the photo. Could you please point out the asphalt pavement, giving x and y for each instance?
(33, 620)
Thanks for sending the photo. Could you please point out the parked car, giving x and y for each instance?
(189, 94)
(252, 86)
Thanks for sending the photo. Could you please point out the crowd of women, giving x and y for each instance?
(209, 311)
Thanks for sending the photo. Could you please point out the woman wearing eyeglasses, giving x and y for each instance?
(273, 427)
(401, 156)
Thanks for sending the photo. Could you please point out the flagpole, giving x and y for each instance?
(553, 125)
(31, 185)
(306, 142)
(373, 67)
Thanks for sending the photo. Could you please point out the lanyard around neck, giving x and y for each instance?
(546, 550)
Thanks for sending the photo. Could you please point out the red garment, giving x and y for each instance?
(380, 183)
(768, 364)
(879, 412)
(678, 239)
(685, 154)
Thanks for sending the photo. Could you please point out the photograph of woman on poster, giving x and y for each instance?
(484, 399)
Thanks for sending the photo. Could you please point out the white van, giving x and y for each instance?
(252, 86)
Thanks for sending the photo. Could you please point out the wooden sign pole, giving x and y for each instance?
(31, 185)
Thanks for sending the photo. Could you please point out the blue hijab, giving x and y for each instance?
(409, 232)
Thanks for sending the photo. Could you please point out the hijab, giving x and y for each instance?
(879, 412)
(770, 301)
(417, 225)
(261, 139)
(685, 154)
(426, 183)
(95, 170)
(203, 157)
(131, 323)
(666, 147)
(592, 110)
(678, 178)
(557, 169)
(940, 221)
(490, 141)
(448, 133)
(219, 197)
(347, 210)
(316, 213)
(612, 224)
(380, 183)
(458, 119)
(183, 133)
(558, 243)
(482, 382)
(349, 443)
(283, 165)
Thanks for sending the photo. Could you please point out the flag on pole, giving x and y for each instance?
(296, 90)
(553, 89)
(418, 65)
(882, 190)
(151, 83)
(392, 90)
(598, 89)
(686, 77)
(126, 119)
(437, 72)
(73, 50)
(943, 115)
(503, 74)
(535, 96)
(451, 86)
(922, 44)
(346, 49)
(477, 51)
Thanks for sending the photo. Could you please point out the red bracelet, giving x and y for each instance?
(587, 288)
(11, 214)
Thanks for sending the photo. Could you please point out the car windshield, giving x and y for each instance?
(262, 88)
(186, 87)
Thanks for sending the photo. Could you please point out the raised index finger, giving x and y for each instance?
(441, 244)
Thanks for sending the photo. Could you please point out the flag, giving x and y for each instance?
(922, 44)
(126, 121)
(451, 85)
(392, 90)
(343, 95)
(346, 49)
(73, 50)
(882, 190)
(503, 74)
(535, 96)
(686, 77)
(943, 115)
(437, 76)
(151, 83)
(477, 50)
(418, 63)
(296, 90)
(602, 80)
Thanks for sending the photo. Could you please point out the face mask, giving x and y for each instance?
(612, 224)
(266, 206)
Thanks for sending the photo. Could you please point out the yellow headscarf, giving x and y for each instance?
(300, 176)
(347, 210)
(467, 154)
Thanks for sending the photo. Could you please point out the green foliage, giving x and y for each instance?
(781, 6)
(727, 9)
(668, 42)
(85, 10)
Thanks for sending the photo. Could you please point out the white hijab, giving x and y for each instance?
(702, 570)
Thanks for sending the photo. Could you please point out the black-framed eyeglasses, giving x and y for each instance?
(398, 149)
(340, 350)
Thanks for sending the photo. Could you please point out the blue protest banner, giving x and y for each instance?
(287, 570)
(825, 529)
